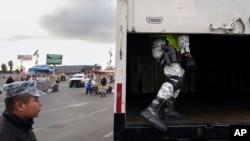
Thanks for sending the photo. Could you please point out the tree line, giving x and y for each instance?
(5, 67)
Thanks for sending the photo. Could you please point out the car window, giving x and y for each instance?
(77, 76)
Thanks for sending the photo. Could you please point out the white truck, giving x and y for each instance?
(216, 97)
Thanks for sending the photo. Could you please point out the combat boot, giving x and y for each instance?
(151, 113)
(170, 112)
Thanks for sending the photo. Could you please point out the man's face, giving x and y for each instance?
(32, 108)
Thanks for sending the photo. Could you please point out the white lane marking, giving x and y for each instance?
(74, 105)
(37, 129)
(108, 135)
(71, 119)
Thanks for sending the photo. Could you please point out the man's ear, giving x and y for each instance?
(19, 106)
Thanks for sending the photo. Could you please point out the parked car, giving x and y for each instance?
(77, 80)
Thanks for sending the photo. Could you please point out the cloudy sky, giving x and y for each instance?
(83, 31)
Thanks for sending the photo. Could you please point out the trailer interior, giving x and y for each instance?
(216, 93)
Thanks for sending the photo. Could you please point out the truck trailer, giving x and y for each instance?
(215, 97)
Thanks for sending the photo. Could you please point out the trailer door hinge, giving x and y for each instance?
(234, 26)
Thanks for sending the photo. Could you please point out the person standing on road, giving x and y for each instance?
(89, 87)
(103, 83)
(21, 106)
(9, 80)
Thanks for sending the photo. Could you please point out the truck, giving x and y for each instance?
(215, 97)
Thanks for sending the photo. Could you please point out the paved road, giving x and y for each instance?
(69, 115)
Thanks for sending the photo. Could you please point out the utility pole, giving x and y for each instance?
(110, 55)
(37, 55)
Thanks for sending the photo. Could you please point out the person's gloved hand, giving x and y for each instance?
(190, 63)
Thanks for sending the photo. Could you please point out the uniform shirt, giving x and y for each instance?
(13, 128)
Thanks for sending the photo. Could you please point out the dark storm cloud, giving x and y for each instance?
(90, 20)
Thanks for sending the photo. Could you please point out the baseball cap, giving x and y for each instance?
(22, 87)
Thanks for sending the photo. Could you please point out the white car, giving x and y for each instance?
(77, 80)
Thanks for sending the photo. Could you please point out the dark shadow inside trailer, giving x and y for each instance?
(216, 93)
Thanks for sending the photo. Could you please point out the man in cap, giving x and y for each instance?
(21, 106)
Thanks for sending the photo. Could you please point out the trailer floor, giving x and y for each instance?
(200, 111)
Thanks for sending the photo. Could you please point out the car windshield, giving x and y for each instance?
(77, 76)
